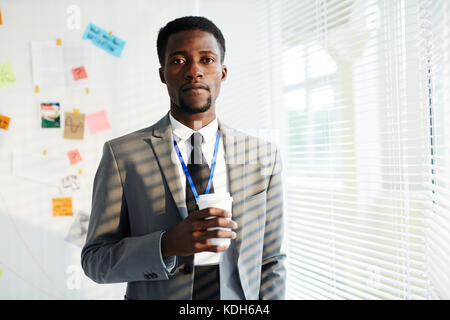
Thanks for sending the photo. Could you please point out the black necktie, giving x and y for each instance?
(206, 279)
(199, 170)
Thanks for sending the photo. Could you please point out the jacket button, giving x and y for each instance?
(187, 269)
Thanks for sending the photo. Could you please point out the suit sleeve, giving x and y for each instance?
(273, 272)
(110, 254)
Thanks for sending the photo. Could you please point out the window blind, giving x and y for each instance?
(435, 53)
(365, 111)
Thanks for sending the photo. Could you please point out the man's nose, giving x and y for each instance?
(193, 71)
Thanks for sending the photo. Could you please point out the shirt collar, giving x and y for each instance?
(184, 133)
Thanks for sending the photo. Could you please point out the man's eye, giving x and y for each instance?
(208, 60)
(177, 61)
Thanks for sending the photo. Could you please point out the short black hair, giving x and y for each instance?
(184, 24)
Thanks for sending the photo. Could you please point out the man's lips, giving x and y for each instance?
(194, 86)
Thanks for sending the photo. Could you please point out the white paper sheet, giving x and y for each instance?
(48, 64)
(48, 169)
(53, 64)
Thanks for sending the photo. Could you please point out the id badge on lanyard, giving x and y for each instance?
(186, 171)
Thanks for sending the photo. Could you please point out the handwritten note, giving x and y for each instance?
(74, 156)
(7, 76)
(4, 122)
(71, 181)
(97, 122)
(103, 40)
(79, 73)
(62, 207)
(74, 125)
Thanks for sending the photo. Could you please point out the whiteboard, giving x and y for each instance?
(35, 259)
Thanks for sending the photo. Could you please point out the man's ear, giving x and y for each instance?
(161, 75)
(224, 72)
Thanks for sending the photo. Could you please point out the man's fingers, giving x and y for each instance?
(200, 247)
(220, 222)
(203, 236)
(201, 225)
(219, 233)
(211, 212)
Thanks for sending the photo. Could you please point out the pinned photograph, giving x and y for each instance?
(78, 230)
(50, 115)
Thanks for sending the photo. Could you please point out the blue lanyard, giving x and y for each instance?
(186, 171)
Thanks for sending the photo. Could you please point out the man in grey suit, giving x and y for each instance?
(145, 227)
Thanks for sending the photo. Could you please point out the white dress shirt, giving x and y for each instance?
(182, 135)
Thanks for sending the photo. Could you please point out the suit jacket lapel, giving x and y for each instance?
(162, 143)
(233, 147)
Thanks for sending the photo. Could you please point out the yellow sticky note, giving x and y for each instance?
(4, 122)
(62, 207)
(44, 152)
(1, 271)
(87, 90)
(58, 41)
(36, 88)
(7, 76)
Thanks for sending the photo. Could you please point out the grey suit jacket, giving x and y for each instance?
(137, 195)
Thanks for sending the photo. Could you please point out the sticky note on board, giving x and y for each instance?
(74, 156)
(97, 122)
(1, 272)
(62, 207)
(103, 40)
(4, 122)
(7, 76)
(79, 73)
(74, 125)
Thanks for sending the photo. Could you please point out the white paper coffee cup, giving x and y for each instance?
(216, 200)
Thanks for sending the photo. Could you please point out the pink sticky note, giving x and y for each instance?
(79, 73)
(74, 156)
(97, 122)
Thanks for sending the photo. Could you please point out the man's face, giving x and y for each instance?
(193, 71)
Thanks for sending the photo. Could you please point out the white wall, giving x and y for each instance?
(37, 263)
